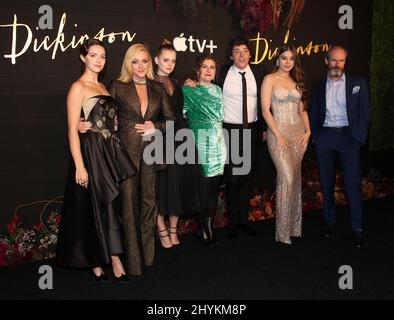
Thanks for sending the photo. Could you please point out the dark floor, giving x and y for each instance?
(246, 269)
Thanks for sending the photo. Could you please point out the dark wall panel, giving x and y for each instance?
(34, 151)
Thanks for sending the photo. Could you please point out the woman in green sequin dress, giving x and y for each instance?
(203, 108)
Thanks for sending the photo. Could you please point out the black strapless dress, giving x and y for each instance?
(90, 228)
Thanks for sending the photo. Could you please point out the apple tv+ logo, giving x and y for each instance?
(182, 43)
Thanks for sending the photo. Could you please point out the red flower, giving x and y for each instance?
(268, 211)
(193, 226)
(11, 228)
(253, 202)
(257, 214)
(257, 16)
(267, 204)
(38, 227)
(182, 227)
(13, 225)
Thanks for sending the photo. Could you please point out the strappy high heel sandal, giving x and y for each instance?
(164, 234)
(173, 230)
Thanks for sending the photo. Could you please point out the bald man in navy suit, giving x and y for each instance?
(340, 117)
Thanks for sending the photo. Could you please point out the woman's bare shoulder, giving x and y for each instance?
(78, 85)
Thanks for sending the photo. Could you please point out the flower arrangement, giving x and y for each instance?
(262, 205)
(254, 15)
(22, 244)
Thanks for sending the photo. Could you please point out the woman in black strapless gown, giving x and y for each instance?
(90, 233)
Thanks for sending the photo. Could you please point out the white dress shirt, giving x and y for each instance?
(336, 114)
(232, 95)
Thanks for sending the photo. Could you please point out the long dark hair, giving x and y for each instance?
(297, 74)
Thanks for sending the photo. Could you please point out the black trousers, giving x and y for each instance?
(238, 186)
(210, 188)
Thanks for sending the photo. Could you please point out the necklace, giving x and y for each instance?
(140, 82)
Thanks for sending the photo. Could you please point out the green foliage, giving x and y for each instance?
(382, 75)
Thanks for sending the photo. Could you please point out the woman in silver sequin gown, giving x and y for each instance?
(284, 104)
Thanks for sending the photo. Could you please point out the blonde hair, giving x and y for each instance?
(126, 73)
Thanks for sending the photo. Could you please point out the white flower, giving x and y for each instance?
(356, 89)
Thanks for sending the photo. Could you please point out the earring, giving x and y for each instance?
(277, 63)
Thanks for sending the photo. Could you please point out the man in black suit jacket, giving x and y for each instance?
(240, 83)
(340, 118)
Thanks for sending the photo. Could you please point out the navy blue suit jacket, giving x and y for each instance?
(357, 106)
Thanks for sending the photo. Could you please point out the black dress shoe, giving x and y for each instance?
(122, 279)
(247, 229)
(358, 239)
(206, 234)
(208, 226)
(203, 238)
(101, 278)
(233, 234)
(328, 230)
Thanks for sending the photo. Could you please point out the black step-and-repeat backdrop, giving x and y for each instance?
(39, 61)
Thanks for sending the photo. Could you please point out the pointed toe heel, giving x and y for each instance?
(103, 278)
(122, 279)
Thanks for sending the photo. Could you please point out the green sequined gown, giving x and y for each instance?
(203, 108)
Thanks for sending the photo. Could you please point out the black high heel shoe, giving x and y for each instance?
(173, 230)
(123, 277)
(161, 235)
(103, 278)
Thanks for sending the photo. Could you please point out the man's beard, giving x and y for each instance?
(335, 72)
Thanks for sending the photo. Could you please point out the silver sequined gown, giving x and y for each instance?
(285, 110)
